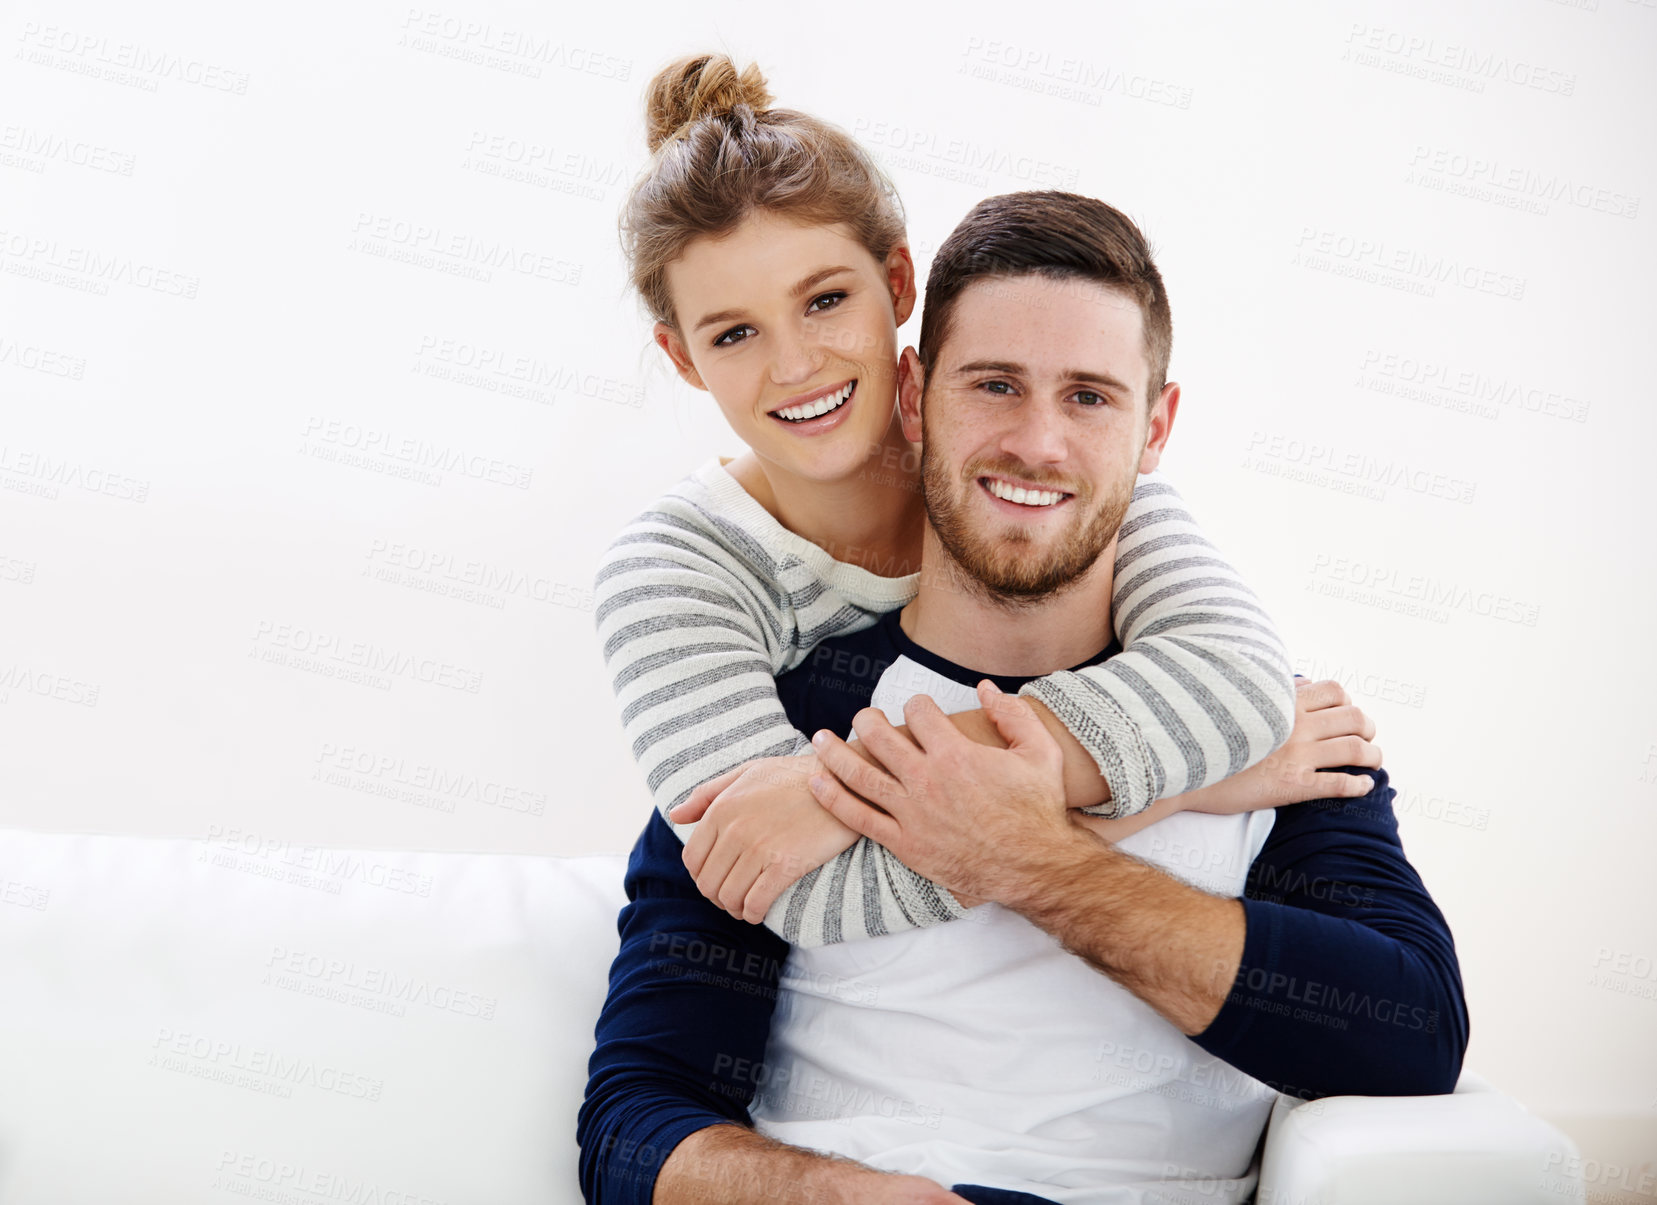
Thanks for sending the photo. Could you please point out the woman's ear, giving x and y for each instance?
(911, 384)
(668, 340)
(900, 276)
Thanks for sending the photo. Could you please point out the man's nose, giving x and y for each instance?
(1036, 434)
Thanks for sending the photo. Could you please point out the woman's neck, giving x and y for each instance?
(872, 519)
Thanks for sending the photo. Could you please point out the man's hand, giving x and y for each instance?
(1329, 731)
(758, 831)
(963, 814)
(733, 1165)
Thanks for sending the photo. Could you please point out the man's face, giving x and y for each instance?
(1035, 429)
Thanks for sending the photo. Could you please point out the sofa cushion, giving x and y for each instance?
(189, 1020)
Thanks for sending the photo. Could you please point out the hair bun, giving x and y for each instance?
(700, 85)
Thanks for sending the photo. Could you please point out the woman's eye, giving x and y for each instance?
(833, 300)
(726, 340)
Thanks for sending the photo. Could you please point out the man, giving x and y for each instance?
(990, 1053)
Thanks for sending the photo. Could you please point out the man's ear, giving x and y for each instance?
(1160, 426)
(668, 340)
(911, 384)
(900, 278)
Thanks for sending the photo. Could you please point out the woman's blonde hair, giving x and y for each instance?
(718, 153)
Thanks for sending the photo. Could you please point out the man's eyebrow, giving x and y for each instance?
(805, 286)
(1019, 370)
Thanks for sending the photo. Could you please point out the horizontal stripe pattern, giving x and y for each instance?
(704, 598)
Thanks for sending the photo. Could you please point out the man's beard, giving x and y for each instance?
(1012, 571)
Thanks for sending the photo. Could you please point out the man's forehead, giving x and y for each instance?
(1069, 323)
(1004, 295)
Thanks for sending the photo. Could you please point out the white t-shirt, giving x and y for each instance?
(982, 1052)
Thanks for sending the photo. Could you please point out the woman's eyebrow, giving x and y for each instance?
(805, 286)
(817, 278)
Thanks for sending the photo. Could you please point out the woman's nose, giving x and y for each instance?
(796, 359)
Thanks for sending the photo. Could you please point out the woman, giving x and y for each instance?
(772, 255)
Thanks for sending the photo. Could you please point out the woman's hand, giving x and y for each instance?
(1329, 731)
(759, 829)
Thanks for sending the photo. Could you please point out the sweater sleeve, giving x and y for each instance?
(697, 609)
(681, 1039)
(1349, 982)
(696, 613)
(1202, 687)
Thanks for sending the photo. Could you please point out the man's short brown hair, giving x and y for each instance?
(1060, 235)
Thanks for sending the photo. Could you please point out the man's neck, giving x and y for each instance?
(953, 616)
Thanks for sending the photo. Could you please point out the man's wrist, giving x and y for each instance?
(730, 1164)
(1050, 867)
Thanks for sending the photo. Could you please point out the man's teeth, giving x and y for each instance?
(1022, 496)
(822, 405)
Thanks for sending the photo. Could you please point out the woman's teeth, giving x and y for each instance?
(1023, 497)
(798, 414)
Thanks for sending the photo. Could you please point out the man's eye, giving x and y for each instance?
(833, 300)
(726, 340)
(1088, 398)
(1000, 387)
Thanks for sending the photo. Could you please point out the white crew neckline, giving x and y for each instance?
(883, 592)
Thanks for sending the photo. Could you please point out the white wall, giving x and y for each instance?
(1401, 238)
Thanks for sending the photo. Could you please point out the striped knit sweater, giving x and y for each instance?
(705, 597)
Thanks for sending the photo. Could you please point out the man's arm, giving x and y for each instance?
(1378, 994)
(1349, 982)
(730, 1165)
(680, 1050)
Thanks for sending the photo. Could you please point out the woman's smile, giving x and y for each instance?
(818, 410)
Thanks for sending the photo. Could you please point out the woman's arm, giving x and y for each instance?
(1202, 688)
(695, 616)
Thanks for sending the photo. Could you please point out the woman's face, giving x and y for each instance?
(793, 329)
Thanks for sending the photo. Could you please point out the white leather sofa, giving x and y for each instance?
(189, 1021)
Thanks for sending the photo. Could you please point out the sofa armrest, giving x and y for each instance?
(1475, 1146)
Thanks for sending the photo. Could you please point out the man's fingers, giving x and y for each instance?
(1013, 718)
(852, 812)
(929, 727)
(837, 757)
(890, 747)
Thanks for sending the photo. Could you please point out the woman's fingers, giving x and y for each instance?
(1342, 720)
(693, 806)
(1335, 785)
(733, 892)
(1350, 751)
(1315, 696)
(716, 867)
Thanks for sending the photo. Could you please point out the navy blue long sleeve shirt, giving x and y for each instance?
(1348, 985)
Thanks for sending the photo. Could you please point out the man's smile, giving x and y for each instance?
(1023, 495)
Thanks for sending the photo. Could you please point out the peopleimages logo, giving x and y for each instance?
(1376, 261)
(1362, 467)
